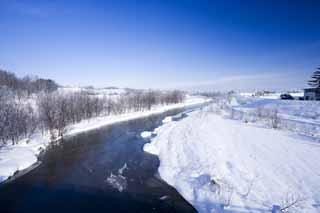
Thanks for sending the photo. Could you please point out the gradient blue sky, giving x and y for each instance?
(245, 44)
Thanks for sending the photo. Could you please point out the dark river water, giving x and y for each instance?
(104, 170)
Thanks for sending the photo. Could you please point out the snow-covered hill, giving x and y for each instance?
(109, 91)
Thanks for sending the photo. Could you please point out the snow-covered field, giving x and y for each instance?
(96, 91)
(14, 158)
(293, 109)
(302, 117)
(212, 159)
(274, 95)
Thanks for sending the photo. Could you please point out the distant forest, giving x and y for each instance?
(26, 84)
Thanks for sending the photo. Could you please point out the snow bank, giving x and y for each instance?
(146, 134)
(98, 122)
(211, 160)
(167, 119)
(18, 157)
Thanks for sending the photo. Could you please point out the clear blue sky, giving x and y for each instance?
(242, 44)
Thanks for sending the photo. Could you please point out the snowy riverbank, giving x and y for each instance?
(18, 157)
(213, 160)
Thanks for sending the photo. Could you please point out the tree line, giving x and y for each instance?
(52, 111)
(27, 85)
(57, 111)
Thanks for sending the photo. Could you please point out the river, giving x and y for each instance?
(103, 170)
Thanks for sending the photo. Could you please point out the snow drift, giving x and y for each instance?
(211, 160)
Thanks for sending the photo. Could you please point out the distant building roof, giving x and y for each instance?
(316, 90)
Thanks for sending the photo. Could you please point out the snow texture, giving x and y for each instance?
(212, 160)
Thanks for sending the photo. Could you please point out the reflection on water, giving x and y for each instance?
(103, 170)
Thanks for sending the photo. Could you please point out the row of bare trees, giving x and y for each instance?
(140, 101)
(54, 111)
(30, 103)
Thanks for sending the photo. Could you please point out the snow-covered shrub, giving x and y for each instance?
(232, 113)
(274, 118)
(260, 112)
(224, 193)
(292, 203)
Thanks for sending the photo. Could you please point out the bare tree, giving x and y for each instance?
(47, 113)
(291, 203)
(16, 121)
